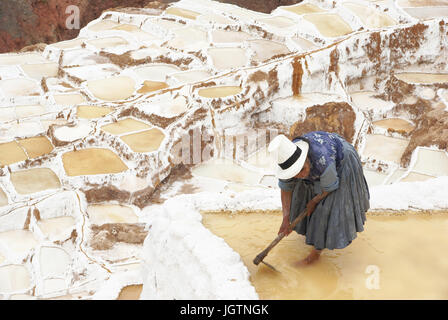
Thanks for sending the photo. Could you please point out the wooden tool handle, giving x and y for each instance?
(265, 252)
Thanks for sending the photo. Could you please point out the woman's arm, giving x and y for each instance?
(286, 197)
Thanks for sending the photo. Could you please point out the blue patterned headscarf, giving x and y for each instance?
(324, 148)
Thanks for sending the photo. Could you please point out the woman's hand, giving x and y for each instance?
(310, 206)
(284, 228)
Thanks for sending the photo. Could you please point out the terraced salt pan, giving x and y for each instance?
(156, 72)
(151, 86)
(219, 92)
(414, 176)
(73, 132)
(425, 13)
(20, 129)
(426, 78)
(184, 13)
(103, 43)
(266, 49)
(151, 51)
(396, 176)
(168, 24)
(21, 58)
(8, 114)
(47, 123)
(103, 25)
(3, 199)
(262, 159)
(131, 292)
(92, 161)
(136, 32)
(190, 76)
(329, 25)
(166, 106)
(69, 44)
(278, 21)
(11, 152)
(112, 89)
(125, 126)
(422, 3)
(223, 36)
(14, 278)
(221, 61)
(431, 162)
(223, 169)
(427, 93)
(68, 99)
(37, 71)
(111, 213)
(395, 124)
(384, 148)
(366, 100)
(29, 111)
(99, 70)
(145, 141)
(370, 17)
(34, 180)
(54, 285)
(374, 178)
(36, 146)
(57, 229)
(92, 112)
(303, 8)
(53, 261)
(189, 39)
(214, 18)
(304, 44)
(17, 243)
(18, 87)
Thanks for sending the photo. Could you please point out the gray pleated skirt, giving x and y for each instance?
(337, 218)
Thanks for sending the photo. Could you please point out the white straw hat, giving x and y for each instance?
(290, 156)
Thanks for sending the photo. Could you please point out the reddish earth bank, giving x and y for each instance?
(29, 22)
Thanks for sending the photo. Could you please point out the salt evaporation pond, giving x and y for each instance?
(329, 25)
(405, 271)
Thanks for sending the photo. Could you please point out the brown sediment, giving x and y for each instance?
(373, 50)
(178, 172)
(99, 193)
(405, 40)
(257, 76)
(396, 90)
(105, 236)
(154, 119)
(125, 60)
(336, 117)
(143, 197)
(297, 76)
(43, 84)
(36, 214)
(334, 66)
(431, 130)
(26, 225)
